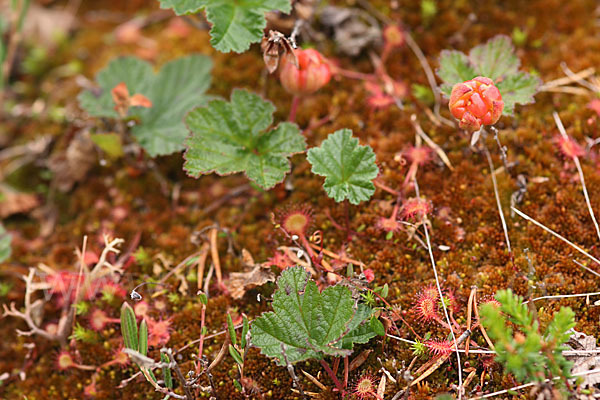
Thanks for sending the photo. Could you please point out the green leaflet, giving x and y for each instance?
(235, 24)
(179, 86)
(348, 167)
(307, 323)
(166, 372)
(230, 137)
(143, 340)
(495, 59)
(5, 248)
(129, 328)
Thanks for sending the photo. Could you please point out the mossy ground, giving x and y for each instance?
(465, 216)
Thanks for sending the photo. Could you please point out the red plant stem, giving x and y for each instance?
(346, 371)
(334, 378)
(201, 344)
(336, 364)
(389, 306)
(412, 172)
(308, 248)
(386, 188)
(294, 108)
(352, 74)
(347, 215)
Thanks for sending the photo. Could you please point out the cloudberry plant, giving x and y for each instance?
(475, 103)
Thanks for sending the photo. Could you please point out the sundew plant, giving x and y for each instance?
(294, 199)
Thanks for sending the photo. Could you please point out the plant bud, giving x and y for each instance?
(476, 102)
(313, 72)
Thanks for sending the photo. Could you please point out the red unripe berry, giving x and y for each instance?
(369, 275)
(476, 102)
(313, 72)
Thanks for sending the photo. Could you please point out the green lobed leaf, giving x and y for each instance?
(518, 89)
(454, 68)
(495, 58)
(5, 248)
(143, 338)
(235, 24)
(129, 328)
(348, 167)
(230, 137)
(179, 86)
(307, 324)
(359, 330)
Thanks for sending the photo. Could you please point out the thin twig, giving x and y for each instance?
(563, 133)
(497, 195)
(579, 249)
(486, 396)
(586, 268)
(563, 296)
(437, 282)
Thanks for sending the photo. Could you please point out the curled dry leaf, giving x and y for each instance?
(71, 166)
(255, 275)
(276, 46)
(585, 362)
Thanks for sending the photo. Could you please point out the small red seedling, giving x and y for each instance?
(426, 307)
(64, 361)
(416, 208)
(439, 347)
(159, 332)
(390, 224)
(569, 147)
(295, 222)
(99, 319)
(365, 388)
(417, 156)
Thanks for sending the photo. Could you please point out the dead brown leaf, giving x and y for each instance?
(255, 275)
(16, 203)
(585, 362)
(71, 166)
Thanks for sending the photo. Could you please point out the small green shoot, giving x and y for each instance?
(5, 248)
(527, 353)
